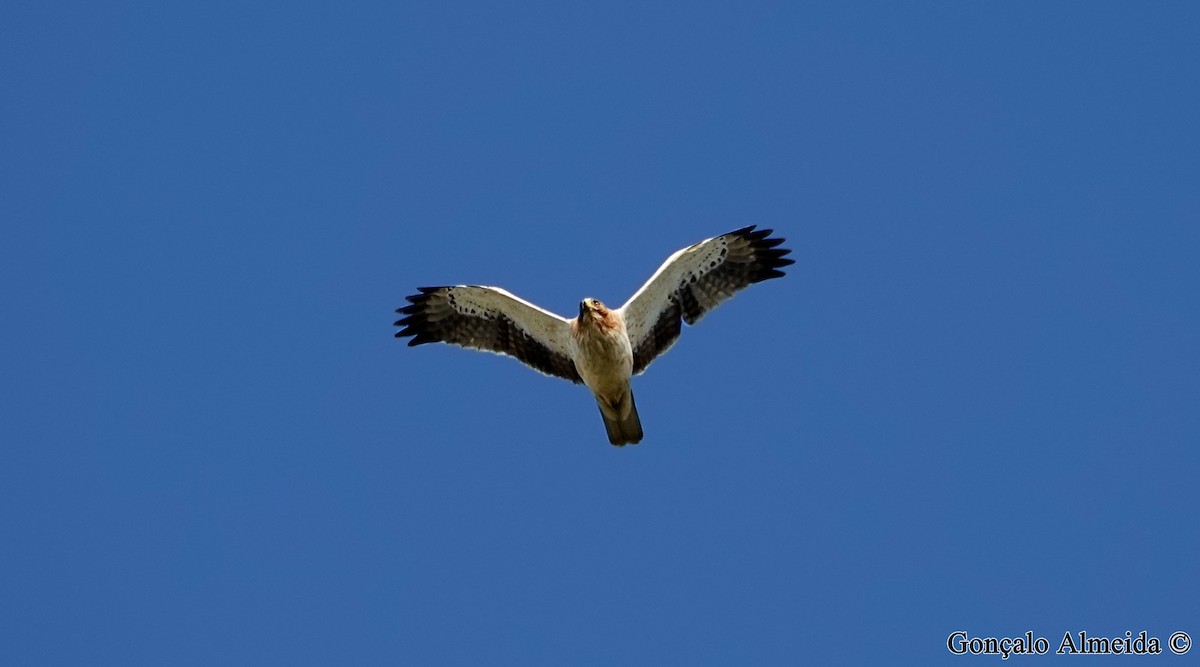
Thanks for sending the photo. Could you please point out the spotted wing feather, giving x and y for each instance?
(490, 319)
(695, 280)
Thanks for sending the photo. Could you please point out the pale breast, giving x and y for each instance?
(603, 357)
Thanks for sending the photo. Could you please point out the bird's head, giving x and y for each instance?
(591, 307)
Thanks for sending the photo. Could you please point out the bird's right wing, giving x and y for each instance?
(692, 282)
(490, 319)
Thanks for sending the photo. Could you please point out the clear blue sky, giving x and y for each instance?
(973, 403)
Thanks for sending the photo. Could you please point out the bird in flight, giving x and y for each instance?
(601, 348)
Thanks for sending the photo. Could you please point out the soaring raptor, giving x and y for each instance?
(601, 348)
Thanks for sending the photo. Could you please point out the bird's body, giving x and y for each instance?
(601, 348)
(603, 357)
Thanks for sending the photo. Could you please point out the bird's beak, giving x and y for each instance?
(583, 308)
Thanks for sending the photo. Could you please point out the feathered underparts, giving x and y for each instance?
(600, 348)
(604, 359)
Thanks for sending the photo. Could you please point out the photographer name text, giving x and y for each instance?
(960, 642)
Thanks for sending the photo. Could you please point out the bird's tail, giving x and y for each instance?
(621, 419)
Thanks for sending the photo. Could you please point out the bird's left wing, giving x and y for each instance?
(692, 282)
(491, 319)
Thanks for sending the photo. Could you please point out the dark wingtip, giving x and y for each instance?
(760, 237)
(768, 252)
(768, 256)
(411, 312)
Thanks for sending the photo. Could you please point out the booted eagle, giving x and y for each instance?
(601, 348)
